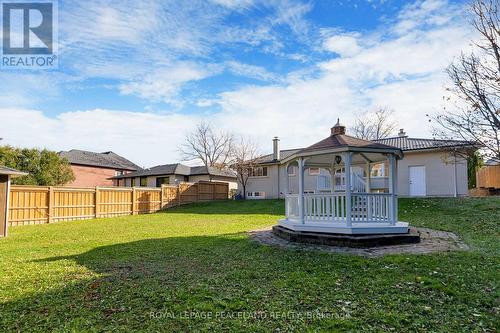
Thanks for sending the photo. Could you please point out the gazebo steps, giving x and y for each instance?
(341, 227)
(357, 240)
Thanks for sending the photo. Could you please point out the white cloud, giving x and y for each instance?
(145, 138)
(345, 45)
(234, 4)
(164, 84)
(251, 71)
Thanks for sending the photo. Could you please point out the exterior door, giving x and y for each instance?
(417, 181)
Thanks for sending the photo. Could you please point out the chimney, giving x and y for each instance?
(401, 133)
(338, 129)
(276, 149)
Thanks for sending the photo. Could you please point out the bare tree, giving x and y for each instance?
(374, 125)
(214, 149)
(245, 156)
(475, 115)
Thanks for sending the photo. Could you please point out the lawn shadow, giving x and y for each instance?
(139, 281)
(172, 284)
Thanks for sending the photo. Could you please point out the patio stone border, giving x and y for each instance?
(430, 241)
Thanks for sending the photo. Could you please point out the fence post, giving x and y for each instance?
(96, 203)
(50, 205)
(161, 197)
(134, 199)
(178, 194)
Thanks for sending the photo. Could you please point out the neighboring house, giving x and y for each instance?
(96, 169)
(174, 174)
(428, 168)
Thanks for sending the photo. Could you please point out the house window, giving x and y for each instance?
(323, 183)
(313, 171)
(259, 172)
(378, 170)
(143, 181)
(291, 170)
(119, 172)
(132, 182)
(162, 181)
(256, 195)
(118, 182)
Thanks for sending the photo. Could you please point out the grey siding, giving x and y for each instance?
(439, 173)
(439, 167)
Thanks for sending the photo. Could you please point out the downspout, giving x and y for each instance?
(279, 181)
(455, 172)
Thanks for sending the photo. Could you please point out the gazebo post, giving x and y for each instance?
(301, 189)
(368, 178)
(347, 165)
(332, 177)
(392, 189)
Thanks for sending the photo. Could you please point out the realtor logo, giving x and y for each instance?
(28, 34)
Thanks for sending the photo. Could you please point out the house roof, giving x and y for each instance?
(178, 169)
(342, 140)
(11, 172)
(407, 144)
(104, 160)
(283, 154)
(202, 170)
(492, 161)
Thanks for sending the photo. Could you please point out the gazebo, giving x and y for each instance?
(350, 207)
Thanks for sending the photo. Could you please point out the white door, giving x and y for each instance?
(417, 180)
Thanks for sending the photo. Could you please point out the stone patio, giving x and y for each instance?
(430, 241)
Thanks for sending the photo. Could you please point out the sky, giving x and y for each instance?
(135, 77)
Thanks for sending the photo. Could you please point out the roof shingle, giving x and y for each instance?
(12, 172)
(406, 144)
(343, 140)
(178, 169)
(104, 160)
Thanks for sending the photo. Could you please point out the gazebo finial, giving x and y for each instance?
(338, 128)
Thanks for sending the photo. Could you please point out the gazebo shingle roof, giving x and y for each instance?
(343, 141)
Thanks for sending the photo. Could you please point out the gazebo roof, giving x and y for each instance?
(338, 141)
(345, 141)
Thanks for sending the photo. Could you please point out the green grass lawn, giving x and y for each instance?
(170, 271)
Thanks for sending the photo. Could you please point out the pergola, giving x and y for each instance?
(352, 207)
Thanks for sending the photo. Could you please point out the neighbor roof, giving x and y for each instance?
(11, 172)
(178, 169)
(104, 160)
(407, 144)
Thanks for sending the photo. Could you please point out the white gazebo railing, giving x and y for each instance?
(332, 208)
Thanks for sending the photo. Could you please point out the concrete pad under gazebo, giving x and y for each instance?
(350, 208)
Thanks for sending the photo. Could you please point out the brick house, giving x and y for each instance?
(96, 169)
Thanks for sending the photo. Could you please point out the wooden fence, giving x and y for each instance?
(39, 204)
(488, 177)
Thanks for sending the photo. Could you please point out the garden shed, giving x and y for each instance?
(5, 175)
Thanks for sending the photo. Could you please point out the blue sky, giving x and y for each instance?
(135, 76)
